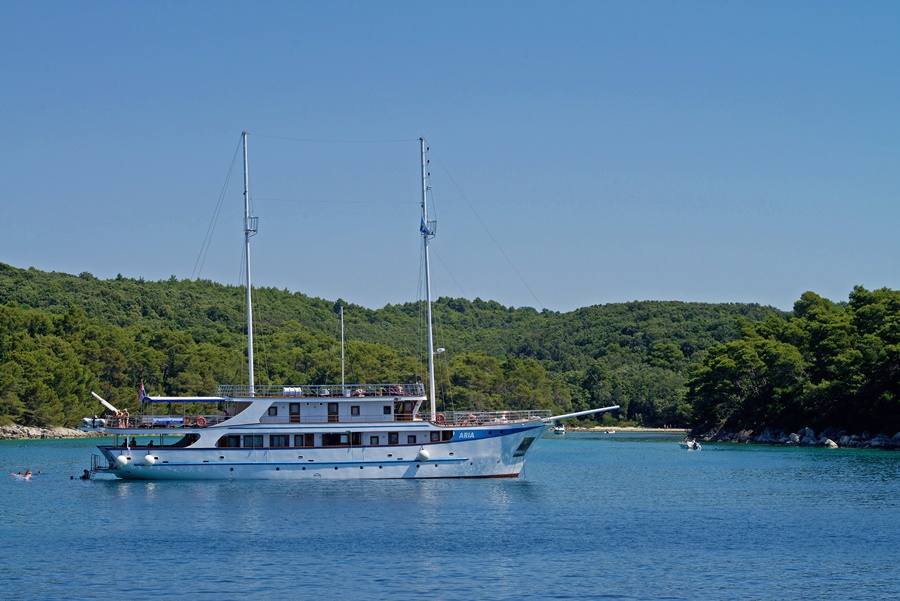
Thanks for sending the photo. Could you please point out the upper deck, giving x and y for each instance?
(239, 391)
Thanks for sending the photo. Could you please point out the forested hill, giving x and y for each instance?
(62, 336)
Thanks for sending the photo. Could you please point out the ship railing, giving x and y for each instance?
(164, 421)
(243, 391)
(483, 418)
(380, 416)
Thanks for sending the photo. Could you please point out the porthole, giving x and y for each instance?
(335, 467)
(277, 469)
(232, 469)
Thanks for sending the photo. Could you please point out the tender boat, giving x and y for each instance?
(559, 428)
(691, 445)
(333, 432)
(92, 423)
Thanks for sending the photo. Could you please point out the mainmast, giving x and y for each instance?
(427, 229)
(250, 226)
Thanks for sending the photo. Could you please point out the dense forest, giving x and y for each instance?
(711, 366)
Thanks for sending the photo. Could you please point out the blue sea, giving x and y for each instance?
(594, 516)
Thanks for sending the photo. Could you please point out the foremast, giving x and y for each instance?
(427, 230)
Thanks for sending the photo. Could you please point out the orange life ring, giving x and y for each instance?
(439, 419)
(201, 422)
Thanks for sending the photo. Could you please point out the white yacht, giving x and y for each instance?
(335, 432)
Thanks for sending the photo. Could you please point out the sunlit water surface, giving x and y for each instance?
(595, 516)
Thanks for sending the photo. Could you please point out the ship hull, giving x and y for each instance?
(478, 452)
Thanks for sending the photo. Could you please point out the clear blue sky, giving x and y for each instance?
(582, 152)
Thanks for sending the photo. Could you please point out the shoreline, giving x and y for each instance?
(614, 429)
(17, 432)
(831, 438)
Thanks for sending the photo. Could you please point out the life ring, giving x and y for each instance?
(439, 419)
(201, 422)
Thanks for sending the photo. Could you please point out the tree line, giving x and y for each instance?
(665, 363)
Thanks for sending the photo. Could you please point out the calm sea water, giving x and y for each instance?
(618, 516)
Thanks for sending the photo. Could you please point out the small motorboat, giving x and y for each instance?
(93, 422)
(559, 428)
(690, 445)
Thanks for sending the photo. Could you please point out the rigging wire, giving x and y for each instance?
(486, 229)
(207, 240)
(348, 202)
(322, 141)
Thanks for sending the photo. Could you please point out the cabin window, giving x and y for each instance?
(310, 440)
(253, 441)
(335, 439)
(387, 409)
(393, 438)
(298, 440)
(356, 438)
(333, 412)
(446, 435)
(411, 439)
(354, 409)
(435, 436)
(294, 412)
(273, 410)
(229, 442)
(373, 440)
(279, 440)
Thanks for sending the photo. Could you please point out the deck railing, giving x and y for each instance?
(448, 418)
(243, 391)
(482, 418)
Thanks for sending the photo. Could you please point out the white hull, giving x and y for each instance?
(489, 451)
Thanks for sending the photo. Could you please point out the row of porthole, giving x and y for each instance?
(278, 469)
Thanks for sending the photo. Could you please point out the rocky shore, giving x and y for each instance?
(830, 438)
(17, 432)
